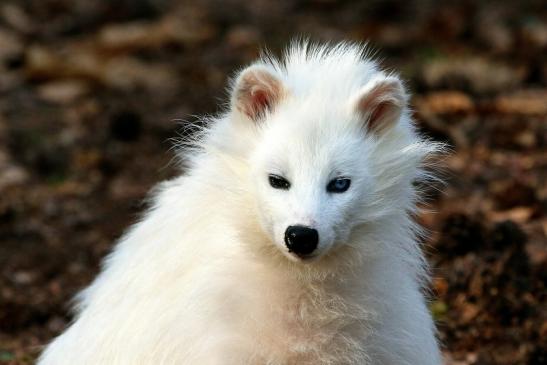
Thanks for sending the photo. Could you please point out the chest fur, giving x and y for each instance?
(316, 324)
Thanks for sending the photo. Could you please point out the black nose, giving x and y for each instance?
(301, 240)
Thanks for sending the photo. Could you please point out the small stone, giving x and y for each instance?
(10, 174)
(62, 92)
(23, 277)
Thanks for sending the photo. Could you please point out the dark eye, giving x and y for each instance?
(338, 185)
(279, 182)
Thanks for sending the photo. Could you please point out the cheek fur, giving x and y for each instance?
(270, 210)
(340, 217)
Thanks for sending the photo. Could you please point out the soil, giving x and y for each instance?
(93, 92)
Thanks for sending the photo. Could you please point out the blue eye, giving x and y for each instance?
(279, 182)
(338, 185)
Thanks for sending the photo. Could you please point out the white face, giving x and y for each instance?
(310, 149)
(311, 172)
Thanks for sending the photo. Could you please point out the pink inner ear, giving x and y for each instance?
(257, 92)
(379, 113)
(382, 105)
(260, 100)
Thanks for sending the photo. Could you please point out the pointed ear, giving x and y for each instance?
(381, 102)
(256, 90)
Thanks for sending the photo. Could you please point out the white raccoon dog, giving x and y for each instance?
(289, 240)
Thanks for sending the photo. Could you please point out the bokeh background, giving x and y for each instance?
(92, 91)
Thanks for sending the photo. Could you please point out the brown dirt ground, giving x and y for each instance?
(90, 93)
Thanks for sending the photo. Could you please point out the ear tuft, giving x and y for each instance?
(381, 103)
(257, 90)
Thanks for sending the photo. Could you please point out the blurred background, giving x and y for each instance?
(91, 91)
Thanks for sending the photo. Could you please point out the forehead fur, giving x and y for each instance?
(320, 71)
(295, 146)
(321, 81)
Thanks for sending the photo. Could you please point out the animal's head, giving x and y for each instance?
(329, 144)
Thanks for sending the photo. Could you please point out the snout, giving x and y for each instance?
(301, 240)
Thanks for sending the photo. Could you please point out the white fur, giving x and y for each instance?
(205, 278)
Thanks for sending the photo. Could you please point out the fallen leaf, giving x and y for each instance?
(444, 102)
